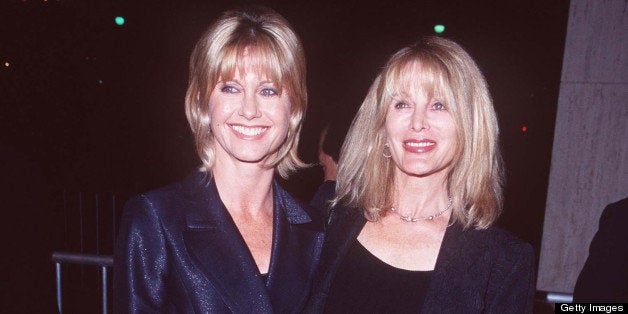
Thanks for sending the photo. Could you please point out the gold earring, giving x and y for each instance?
(386, 148)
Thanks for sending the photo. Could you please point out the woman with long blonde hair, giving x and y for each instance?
(418, 188)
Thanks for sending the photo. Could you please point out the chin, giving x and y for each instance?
(420, 171)
(251, 158)
(255, 157)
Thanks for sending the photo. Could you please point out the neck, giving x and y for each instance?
(244, 188)
(420, 196)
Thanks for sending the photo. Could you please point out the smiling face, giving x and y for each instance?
(420, 129)
(249, 115)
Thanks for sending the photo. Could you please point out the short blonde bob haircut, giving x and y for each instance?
(475, 178)
(276, 51)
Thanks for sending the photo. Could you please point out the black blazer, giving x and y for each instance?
(180, 251)
(485, 271)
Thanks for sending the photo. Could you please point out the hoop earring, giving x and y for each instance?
(386, 152)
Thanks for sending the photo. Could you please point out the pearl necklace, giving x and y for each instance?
(415, 219)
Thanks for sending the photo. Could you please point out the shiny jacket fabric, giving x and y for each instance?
(477, 271)
(179, 251)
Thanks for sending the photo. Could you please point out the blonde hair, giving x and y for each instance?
(475, 178)
(275, 50)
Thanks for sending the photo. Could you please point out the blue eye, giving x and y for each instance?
(268, 92)
(438, 106)
(401, 105)
(229, 89)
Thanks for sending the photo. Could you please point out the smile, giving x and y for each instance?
(248, 131)
(420, 144)
(417, 147)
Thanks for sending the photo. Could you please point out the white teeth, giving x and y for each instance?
(419, 144)
(248, 131)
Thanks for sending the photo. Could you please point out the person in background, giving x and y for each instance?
(228, 239)
(419, 186)
(604, 277)
(325, 192)
(328, 160)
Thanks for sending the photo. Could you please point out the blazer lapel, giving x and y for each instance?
(343, 234)
(458, 256)
(214, 242)
(296, 244)
(344, 226)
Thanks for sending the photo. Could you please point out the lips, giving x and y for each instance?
(419, 146)
(248, 131)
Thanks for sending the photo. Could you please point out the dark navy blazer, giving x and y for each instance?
(179, 251)
(477, 271)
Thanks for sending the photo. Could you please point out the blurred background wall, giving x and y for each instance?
(589, 167)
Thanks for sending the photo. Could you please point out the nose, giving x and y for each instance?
(419, 120)
(250, 107)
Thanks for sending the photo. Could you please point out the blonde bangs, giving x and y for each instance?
(261, 57)
(416, 72)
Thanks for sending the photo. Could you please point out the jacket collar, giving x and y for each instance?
(295, 253)
(203, 191)
(215, 243)
(347, 224)
(460, 254)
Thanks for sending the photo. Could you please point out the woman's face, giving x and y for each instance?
(421, 133)
(249, 117)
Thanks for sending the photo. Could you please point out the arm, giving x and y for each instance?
(140, 264)
(330, 166)
(511, 286)
(325, 193)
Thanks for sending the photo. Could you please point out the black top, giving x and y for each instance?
(365, 284)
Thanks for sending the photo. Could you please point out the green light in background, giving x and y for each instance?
(439, 28)
(119, 20)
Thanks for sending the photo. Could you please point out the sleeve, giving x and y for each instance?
(140, 263)
(604, 277)
(325, 193)
(511, 286)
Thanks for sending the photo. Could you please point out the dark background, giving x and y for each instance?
(87, 105)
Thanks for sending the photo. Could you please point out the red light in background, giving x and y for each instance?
(524, 129)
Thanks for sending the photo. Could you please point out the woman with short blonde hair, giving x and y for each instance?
(419, 186)
(228, 239)
(278, 53)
